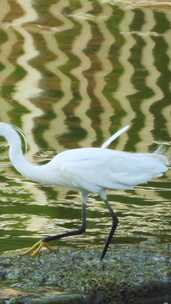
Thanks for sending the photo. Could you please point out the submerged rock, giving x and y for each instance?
(128, 274)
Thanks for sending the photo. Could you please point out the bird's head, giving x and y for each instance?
(11, 134)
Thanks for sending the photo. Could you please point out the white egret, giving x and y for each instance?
(87, 170)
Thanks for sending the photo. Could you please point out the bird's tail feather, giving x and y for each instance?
(160, 150)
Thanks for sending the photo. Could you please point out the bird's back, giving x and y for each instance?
(93, 169)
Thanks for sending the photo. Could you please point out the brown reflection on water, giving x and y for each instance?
(71, 75)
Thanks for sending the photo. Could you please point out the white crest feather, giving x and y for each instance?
(23, 136)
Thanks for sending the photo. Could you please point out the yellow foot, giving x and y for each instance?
(36, 248)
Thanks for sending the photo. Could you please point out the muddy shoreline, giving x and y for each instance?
(129, 274)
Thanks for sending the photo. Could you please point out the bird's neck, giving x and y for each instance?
(16, 155)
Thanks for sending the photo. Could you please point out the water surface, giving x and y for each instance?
(71, 74)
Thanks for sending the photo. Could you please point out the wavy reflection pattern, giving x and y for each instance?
(70, 75)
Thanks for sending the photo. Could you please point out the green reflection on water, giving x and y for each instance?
(70, 76)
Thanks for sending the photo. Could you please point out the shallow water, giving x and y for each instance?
(71, 74)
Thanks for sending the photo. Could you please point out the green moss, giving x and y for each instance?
(125, 269)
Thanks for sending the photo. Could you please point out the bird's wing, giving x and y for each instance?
(105, 168)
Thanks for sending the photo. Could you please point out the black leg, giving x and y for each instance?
(113, 228)
(82, 228)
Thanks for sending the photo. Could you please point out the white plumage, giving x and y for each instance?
(88, 169)
(96, 169)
